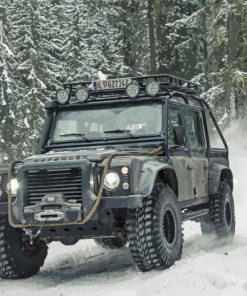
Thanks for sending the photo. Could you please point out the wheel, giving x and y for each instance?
(155, 230)
(110, 243)
(221, 220)
(19, 259)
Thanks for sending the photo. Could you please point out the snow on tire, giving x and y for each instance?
(155, 231)
(17, 258)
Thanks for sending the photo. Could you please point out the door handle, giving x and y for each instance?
(189, 168)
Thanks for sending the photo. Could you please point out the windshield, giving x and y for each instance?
(103, 123)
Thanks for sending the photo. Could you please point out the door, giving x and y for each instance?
(197, 144)
(218, 151)
(180, 158)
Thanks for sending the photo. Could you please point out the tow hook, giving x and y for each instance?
(30, 235)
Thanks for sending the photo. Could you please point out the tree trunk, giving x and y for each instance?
(151, 30)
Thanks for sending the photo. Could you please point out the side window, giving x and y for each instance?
(192, 120)
(174, 120)
(214, 137)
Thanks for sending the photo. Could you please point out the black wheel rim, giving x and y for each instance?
(228, 213)
(169, 227)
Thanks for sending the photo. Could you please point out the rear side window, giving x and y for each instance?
(174, 120)
(214, 137)
(194, 132)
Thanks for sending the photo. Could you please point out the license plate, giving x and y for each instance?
(112, 83)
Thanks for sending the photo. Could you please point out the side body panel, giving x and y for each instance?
(183, 168)
(200, 176)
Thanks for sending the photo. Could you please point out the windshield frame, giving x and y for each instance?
(119, 138)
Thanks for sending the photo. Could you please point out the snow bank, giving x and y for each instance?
(205, 269)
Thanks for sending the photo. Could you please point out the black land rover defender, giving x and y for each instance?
(120, 161)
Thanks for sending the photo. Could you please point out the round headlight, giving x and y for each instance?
(111, 181)
(132, 90)
(152, 88)
(13, 186)
(62, 96)
(82, 94)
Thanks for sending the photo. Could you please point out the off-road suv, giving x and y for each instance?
(122, 161)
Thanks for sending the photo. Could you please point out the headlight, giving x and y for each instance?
(62, 96)
(82, 95)
(112, 180)
(13, 186)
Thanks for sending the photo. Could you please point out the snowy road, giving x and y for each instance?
(205, 269)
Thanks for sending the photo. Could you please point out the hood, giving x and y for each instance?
(96, 155)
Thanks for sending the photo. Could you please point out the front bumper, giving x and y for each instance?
(113, 202)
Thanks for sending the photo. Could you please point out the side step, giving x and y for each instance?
(192, 215)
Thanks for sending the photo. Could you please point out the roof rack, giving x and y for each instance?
(167, 83)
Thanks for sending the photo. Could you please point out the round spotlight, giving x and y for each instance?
(152, 88)
(132, 90)
(62, 96)
(82, 94)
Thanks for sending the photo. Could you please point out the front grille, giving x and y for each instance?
(65, 181)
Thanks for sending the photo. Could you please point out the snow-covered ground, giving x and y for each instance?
(205, 269)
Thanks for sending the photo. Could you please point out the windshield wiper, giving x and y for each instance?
(75, 135)
(120, 131)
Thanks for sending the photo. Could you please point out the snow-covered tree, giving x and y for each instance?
(47, 42)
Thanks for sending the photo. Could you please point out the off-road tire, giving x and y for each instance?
(16, 260)
(155, 231)
(110, 243)
(221, 219)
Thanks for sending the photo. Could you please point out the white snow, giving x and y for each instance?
(101, 76)
(205, 268)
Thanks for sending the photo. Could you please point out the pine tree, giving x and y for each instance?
(9, 140)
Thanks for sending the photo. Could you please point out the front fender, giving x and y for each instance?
(145, 181)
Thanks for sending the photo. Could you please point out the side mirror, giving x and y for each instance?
(179, 135)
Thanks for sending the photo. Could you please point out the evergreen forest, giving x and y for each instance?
(47, 42)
